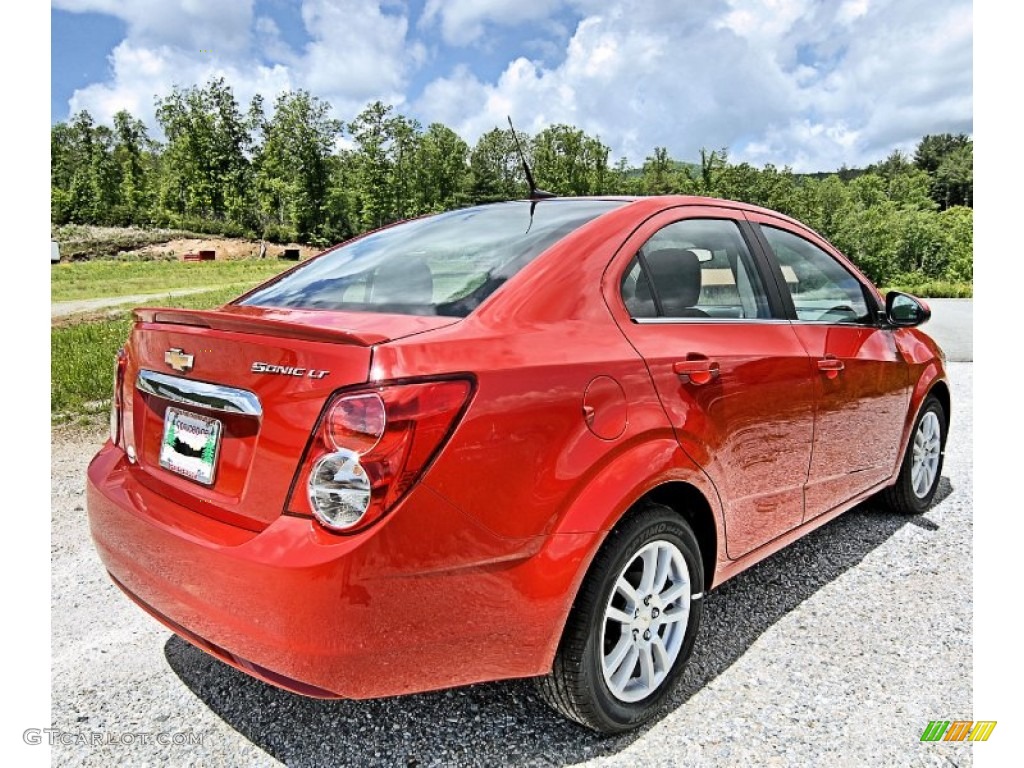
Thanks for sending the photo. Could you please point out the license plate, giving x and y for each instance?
(190, 444)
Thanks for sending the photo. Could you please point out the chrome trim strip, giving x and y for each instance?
(200, 394)
(707, 320)
(734, 320)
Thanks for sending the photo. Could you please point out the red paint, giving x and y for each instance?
(576, 411)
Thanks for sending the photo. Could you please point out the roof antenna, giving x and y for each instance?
(535, 194)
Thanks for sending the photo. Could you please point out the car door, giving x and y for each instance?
(863, 383)
(695, 300)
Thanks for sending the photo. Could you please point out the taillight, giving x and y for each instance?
(371, 446)
(117, 402)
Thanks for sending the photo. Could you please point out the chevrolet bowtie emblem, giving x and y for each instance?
(178, 359)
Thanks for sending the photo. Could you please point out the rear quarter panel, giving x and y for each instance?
(523, 454)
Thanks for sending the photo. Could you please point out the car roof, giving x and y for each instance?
(656, 202)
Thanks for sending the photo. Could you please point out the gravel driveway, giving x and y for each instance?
(836, 651)
(66, 308)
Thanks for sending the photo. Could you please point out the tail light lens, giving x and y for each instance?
(371, 446)
(117, 402)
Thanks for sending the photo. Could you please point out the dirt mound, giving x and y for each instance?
(86, 242)
(226, 248)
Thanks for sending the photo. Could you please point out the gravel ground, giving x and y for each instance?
(836, 651)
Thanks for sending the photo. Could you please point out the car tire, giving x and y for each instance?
(921, 470)
(650, 635)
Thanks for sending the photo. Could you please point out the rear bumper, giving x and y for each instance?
(426, 599)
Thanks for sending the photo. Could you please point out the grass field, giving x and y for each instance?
(99, 279)
(82, 346)
(82, 356)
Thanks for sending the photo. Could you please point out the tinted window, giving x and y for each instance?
(822, 288)
(697, 268)
(444, 265)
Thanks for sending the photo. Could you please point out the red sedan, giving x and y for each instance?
(515, 440)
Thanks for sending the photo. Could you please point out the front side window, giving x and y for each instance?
(823, 290)
(439, 265)
(696, 268)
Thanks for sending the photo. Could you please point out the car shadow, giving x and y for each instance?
(505, 723)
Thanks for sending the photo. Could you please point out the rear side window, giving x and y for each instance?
(440, 265)
(822, 289)
(696, 268)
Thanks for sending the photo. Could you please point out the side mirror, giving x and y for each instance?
(905, 311)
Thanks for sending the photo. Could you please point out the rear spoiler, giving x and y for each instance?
(305, 325)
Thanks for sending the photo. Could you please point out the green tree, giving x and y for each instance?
(569, 162)
(958, 226)
(495, 169)
(293, 166)
(895, 164)
(658, 176)
(934, 148)
(84, 176)
(372, 164)
(406, 139)
(133, 157)
(442, 170)
(953, 183)
(623, 180)
(206, 169)
(711, 165)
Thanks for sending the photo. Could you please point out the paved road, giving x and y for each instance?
(952, 325)
(836, 651)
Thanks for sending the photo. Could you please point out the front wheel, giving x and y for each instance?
(633, 625)
(921, 470)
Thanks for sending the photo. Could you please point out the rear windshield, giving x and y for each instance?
(441, 265)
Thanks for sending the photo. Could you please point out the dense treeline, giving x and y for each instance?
(294, 172)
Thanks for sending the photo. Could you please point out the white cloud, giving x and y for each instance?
(356, 53)
(139, 73)
(793, 82)
(269, 41)
(804, 83)
(637, 76)
(188, 24)
(464, 21)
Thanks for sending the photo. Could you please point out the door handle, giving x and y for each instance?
(696, 371)
(830, 366)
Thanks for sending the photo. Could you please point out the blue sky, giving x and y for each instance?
(813, 84)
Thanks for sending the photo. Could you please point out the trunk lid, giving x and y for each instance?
(243, 388)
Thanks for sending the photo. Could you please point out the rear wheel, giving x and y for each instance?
(922, 466)
(633, 625)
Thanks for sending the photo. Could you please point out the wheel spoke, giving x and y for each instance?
(622, 675)
(614, 659)
(661, 657)
(619, 615)
(650, 561)
(664, 569)
(673, 594)
(627, 590)
(647, 668)
(669, 617)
